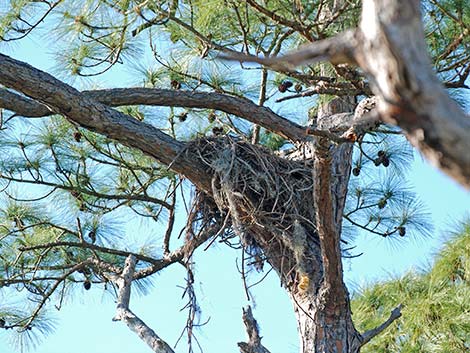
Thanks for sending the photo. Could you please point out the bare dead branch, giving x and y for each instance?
(254, 340)
(123, 313)
(366, 118)
(368, 335)
(238, 106)
(338, 50)
(348, 127)
(84, 111)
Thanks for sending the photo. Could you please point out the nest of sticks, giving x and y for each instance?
(260, 197)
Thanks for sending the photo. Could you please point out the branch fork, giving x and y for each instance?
(123, 313)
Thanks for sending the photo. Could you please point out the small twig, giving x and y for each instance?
(85, 245)
(80, 230)
(260, 280)
(368, 335)
(352, 256)
(324, 88)
(243, 274)
(220, 231)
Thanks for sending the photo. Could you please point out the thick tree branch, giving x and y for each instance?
(338, 50)
(123, 313)
(241, 107)
(238, 106)
(254, 340)
(86, 112)
(366, 118)
(393, 53)
(22, 105)
(368, 335)
(340, 128)
(390, 47)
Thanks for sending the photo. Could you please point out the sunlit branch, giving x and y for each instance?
(238, 106)
(123, 313)
(409, 92)
(338, 50)
(97, 117)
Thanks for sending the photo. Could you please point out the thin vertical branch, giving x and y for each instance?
(326, 226)
(261, 100)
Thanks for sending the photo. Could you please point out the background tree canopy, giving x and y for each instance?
(436, 314)
(282, 158)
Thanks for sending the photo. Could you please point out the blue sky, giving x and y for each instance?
(85, 324)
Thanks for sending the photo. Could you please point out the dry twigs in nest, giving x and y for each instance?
(264, 197)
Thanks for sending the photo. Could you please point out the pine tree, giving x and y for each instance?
(267, 177)
(435, 309)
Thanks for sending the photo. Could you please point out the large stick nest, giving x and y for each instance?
(265, 199)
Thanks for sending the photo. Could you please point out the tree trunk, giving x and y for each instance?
(320, 297)
(322, 328)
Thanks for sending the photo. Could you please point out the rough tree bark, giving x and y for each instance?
(239, 106)
(320, 299)
(393, 53)
(79, 109)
